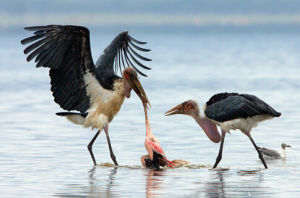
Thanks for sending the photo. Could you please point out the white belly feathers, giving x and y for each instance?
(105, 104)
(244, 124)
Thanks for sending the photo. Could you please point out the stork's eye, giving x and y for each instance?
(126, 76)
(188, 107)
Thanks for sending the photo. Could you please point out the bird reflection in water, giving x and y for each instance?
(94, 184)
(154, 182)
(215, 188)
(222, 184)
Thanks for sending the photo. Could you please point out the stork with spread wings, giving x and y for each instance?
(94, 93)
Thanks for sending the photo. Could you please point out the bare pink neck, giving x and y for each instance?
(148, 129)
(197, 118)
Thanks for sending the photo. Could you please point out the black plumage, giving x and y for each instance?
(116, 56)
(228, 106)
(71, 113)
(66, 51)
(156, 163)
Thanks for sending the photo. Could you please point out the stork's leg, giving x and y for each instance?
(112, 156)
(220, 150)
(256, 147)
(90, 146)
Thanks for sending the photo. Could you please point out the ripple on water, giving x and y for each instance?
(179, 164)
(43, 155)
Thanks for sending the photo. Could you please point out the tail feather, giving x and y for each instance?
(76, 118)
(277, 114)
(71, 113)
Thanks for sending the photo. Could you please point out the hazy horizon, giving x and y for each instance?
(195, 13)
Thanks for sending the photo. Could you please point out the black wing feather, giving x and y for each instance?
(139, 48)
(130, 63)
(66, 51)
(156, 162)
(136, 61)
(138, 55)
(136, 41)
(32, 38)
(107, 65)
(228, 106)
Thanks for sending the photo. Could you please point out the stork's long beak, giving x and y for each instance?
(137, 87)
(288, 145)
(175, 110)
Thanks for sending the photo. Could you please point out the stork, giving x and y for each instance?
(156, 156)
(230, 111)
(274, 154)
(94, 93)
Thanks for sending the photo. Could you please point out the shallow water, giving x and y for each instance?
(43, 155)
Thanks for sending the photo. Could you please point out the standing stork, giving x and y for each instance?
(95, 92)
(229, 111)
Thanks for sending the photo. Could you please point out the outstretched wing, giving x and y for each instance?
(120, 53)
(66, 51)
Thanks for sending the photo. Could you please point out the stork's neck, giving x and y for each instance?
(208, 127)
(198, 118)
(148, 129)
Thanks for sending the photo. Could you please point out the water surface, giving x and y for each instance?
(43, 155)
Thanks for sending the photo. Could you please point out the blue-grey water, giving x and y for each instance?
(42, 155)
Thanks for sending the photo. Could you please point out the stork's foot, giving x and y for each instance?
(262, 160)
(257, 149)
(91, 153)
(217, 161)
(220, 150)
(90, 147)
(113, 157)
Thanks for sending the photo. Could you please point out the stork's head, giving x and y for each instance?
(132, 82)
(189, 107)
(284, 145)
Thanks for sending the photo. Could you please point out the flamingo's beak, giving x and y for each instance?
(176, 110)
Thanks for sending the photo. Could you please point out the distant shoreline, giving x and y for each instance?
(114, 19)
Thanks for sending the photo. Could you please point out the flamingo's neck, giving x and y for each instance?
(148, 129)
